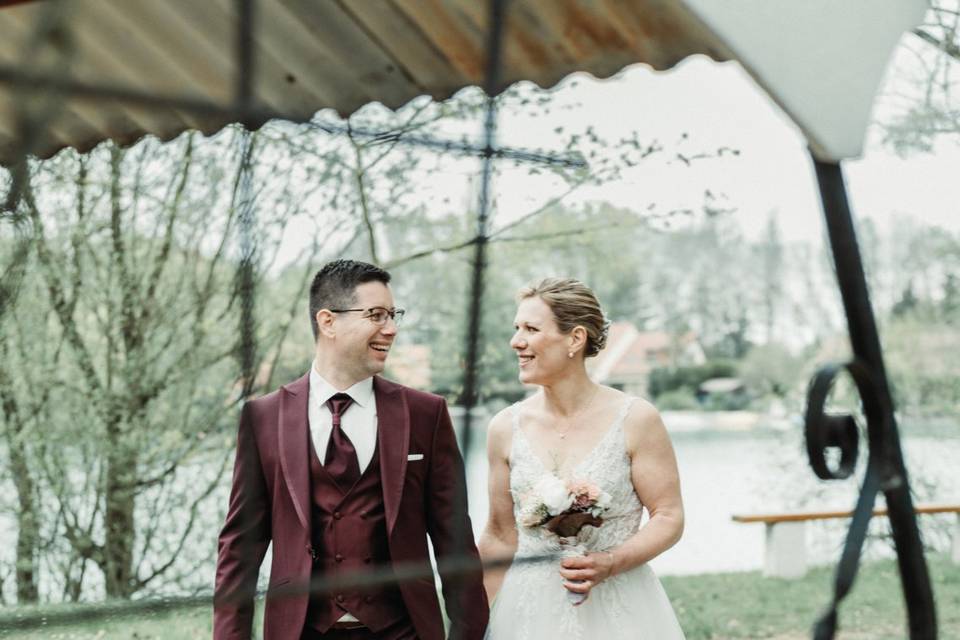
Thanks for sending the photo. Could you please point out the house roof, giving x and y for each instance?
(343, 54)
(629, 351)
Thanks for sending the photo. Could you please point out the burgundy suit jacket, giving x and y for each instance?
(270, 501)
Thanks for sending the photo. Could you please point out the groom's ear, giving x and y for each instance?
(324, 319)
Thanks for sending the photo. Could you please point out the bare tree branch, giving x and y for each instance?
(358, 176)
(949, 48)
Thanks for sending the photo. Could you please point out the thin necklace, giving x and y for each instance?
(572, 419)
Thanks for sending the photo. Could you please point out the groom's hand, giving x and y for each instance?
(590, 570)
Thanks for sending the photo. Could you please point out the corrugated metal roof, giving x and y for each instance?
(314, 54)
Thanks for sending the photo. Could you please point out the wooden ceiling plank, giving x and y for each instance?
(402, 39)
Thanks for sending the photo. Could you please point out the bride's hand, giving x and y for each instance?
(592, 569)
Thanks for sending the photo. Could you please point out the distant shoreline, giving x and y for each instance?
(727, 421)
(758, 422)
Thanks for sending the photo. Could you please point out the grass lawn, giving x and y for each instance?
(747, 605)
(191, 624)
(710, 607)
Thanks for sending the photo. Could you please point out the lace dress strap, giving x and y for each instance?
(515, 436)
(624, 410)
(515, 416)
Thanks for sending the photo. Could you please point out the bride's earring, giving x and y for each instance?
(569, 354)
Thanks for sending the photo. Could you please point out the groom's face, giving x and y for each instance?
(361, 346)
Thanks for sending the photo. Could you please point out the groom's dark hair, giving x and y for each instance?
(334, 286)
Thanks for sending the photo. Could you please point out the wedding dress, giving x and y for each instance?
(532, 604)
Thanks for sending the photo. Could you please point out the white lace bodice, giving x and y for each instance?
(607, 465)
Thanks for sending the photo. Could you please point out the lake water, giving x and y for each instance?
(764, 471)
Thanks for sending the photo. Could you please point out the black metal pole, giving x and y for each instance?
(468, 397)
(50, 45)
(475, 308)
(878, 408)
(246, 212)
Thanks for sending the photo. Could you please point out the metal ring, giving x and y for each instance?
(823, 431)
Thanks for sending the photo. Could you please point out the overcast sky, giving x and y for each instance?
(720, 106)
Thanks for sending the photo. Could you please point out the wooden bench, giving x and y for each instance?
(785, 549)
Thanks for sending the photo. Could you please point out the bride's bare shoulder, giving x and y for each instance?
(644, 425)
(502, 421)
(500, 431)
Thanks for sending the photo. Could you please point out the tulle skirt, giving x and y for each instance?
(532, 605)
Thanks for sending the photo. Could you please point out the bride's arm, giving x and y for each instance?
(653, 471)
(499, 538)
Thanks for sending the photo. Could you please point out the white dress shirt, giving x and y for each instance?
(358, 422)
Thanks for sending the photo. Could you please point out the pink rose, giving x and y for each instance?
(588, 490)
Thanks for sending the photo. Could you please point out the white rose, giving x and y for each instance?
(553, 491)
(603, 500)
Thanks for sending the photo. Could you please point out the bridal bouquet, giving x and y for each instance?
(563, 509)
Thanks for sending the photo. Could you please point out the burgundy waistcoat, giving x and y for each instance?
(350, 535)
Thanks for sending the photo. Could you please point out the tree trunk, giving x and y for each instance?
(28, 525)
(119, 525)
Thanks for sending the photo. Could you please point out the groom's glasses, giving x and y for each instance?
(377, 315)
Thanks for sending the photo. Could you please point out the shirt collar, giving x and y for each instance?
(321, 390)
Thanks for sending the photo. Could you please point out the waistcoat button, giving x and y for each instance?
(338, 558)
(368, 599)
(339, 597)
(337, 515)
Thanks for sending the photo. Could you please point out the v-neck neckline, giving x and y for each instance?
(617, 421)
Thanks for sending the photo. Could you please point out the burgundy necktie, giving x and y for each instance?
(341, 458)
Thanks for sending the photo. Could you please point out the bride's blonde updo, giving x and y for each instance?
(573, 304)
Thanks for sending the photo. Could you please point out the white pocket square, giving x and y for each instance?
(415, 456)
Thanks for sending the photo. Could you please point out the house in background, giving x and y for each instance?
(631, 354)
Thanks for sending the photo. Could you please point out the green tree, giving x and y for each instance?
(950, 306)
(123, 343)
(772, 259)
(771, 370)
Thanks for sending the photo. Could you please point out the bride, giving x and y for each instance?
(578, 432)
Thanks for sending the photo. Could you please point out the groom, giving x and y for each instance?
(346, 472)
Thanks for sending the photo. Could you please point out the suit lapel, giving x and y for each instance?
(294, 435)
(393, 439)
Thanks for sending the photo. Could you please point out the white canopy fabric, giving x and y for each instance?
(821, 60)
